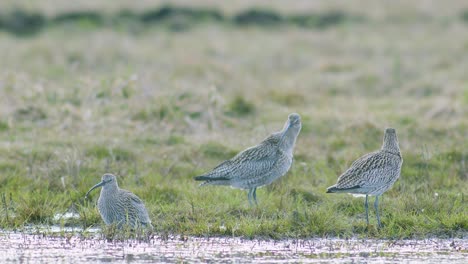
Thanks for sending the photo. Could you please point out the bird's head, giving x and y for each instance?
(107, 180)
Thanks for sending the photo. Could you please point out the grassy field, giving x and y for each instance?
(157, 107)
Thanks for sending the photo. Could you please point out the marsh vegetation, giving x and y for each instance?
(157, 107)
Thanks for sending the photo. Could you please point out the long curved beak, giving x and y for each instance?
(102, 183)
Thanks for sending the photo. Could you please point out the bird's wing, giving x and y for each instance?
(366, 171)
(247, 163)
(141, 209)
(134, 199)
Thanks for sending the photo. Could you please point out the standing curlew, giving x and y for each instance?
(120, 206)
(258, 165)
(374, 173)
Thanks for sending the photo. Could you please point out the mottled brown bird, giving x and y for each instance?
(374, 173)
(118, 206)
(258, 165)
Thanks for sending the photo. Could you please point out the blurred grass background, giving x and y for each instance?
(92, 87)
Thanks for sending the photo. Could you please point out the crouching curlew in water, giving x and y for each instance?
(118, 206)
(373, 174)
(258, 165)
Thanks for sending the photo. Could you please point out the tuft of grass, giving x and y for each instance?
(320, 20)
(85, 19)
(115, 233)
(288, 98)
(240, 107)
(216, 150)
(36, 207)
(115, 154)
(30, 113)
(258, 17)
(21, 22)
(3, 126)
(464, 15)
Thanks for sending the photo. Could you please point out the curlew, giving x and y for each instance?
(118, 206)
(373, 174)
(258, 165)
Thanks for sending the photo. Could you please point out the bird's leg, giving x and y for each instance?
(376, 206)
(367, 210)
(250, 196)
(255, 195)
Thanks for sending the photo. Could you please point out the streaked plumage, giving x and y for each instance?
(374, 173)
(258, 165)
(118, 206)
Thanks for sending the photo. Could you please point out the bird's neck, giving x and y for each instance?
(288, 137)
(390, 144)
(109, 190)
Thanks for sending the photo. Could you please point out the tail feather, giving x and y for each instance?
(211, 180)
(208, 178)
(334, 189)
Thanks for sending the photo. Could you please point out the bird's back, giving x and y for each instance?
(254, 166)
(371, 174)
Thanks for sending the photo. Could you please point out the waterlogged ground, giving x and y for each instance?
(72, 247)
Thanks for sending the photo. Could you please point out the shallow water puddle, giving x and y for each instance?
(24, 248)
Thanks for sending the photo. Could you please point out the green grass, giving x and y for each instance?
(160, 107)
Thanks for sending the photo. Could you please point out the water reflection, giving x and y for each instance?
(34, 246)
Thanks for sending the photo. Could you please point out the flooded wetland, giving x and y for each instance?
(161, 93)
(69, 247)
